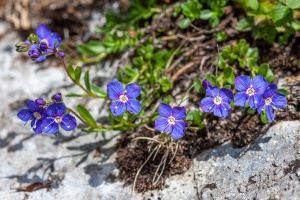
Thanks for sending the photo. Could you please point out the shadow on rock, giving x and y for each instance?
(98, 173)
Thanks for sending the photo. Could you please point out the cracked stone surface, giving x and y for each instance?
(268, 170)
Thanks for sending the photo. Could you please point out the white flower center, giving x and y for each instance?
(268, 101)
(37, 115)
(217, 100)
(250, 91)
(45, 41)
(58, 120)
(171, 120)
(123, 98)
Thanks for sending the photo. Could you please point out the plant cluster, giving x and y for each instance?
(140, 93)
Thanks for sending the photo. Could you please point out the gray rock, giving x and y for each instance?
(267, 170)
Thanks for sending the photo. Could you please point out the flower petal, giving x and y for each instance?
(179, 113)
(132, 90)
(117, 108)
(212, 91)
(259, 84)
(261, 106)
(42, 31)
(68, 122)
(25, 115)
(240, 99)
(161, 124)
(270, 91)
(177, 131)
(54, 37)
(114, 89)
(278, 100)
(242, 83)
(56, 109)
(226, 95)
(41, 58)
(164, 110)
(133, 106)
(49, 126)
(269, 112)
(222, 110)
(36, 126)
(255, 100)
(33, 106)
(207, 104)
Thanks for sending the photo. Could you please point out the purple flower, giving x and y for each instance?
(34, 113)
(47, 39)
(217, 101)
(171, 120)
(123, 99)
(251, 90)
(57, 116)
(271, 100)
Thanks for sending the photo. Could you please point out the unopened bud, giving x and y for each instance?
(34, 53)
(22, 47)
(57, 97)
(40, 102)
(205, 83)
(43, 46)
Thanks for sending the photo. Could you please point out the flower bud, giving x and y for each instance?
(43, 46)
(34, 53)
(61, 53)
(40, 102)
(205, 84)
(22, 47)
(57, 97)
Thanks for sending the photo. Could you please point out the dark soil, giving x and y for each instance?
(199, 51)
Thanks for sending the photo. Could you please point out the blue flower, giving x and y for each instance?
(123, 99)
(217, 101)
(171, 120)
(47, 39)
(34, 113)
(271, 100)
(57, 116)
(251, 90)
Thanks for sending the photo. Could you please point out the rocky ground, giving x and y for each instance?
(77, 165)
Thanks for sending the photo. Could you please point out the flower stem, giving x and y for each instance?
(66, 69)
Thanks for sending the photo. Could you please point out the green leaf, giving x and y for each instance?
(265, 71)
(229, 75)
(77, 95)
(165, 83)
(283, 91)
(85, 114)
(206, 14)
(220, 36)
(98, 91)
(251, 111)
(196, 116)
(293, 4)
(92, 48)
(78, 71)
(87, 80)
(185, 23)
(245, 24)
(33, 38)
(253, 4)
(263, 117)
(281, 14)
(71, 71)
